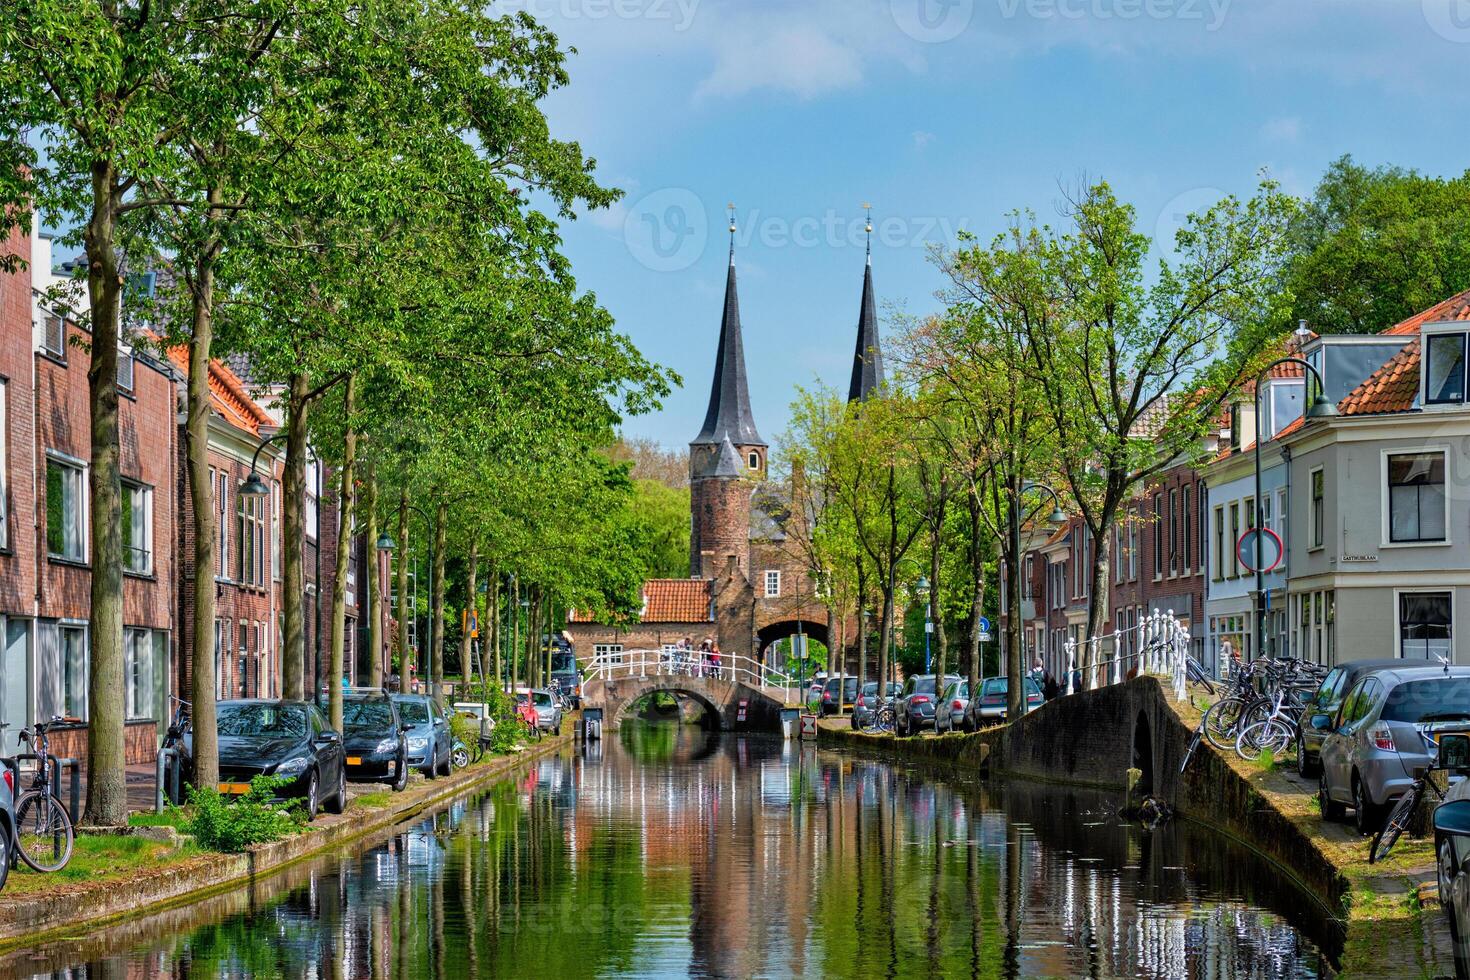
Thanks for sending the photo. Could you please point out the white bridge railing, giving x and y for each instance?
(639, 664)
(1159, 644)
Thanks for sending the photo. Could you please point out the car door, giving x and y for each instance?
(331, 757)
(440, 728)
(1324, 704)
(1337, 749)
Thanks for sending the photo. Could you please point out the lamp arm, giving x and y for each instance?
(255, 459)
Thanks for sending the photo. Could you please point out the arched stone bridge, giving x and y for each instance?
(614, 687)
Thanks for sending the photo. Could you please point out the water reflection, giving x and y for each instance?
(670, 851)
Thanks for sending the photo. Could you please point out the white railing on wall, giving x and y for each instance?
(693, 664)
(1158, 645)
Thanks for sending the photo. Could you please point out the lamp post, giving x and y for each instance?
(1320, 408)
(1016, 694)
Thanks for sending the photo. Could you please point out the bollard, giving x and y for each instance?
(76, 782)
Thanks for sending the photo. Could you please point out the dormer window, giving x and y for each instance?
(1444, 370)
(755, 461)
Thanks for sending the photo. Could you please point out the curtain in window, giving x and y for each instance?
(1424, 624)
(1416, 497)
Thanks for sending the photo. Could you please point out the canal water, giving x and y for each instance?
(667, 851)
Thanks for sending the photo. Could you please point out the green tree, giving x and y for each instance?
(1374, 246)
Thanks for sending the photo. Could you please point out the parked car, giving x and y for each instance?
(1452, 848)
(288, 739)
(955, 697)
(7, 818)
(990, 706)
(1319, 716)
(548, 711)
(867, 702)
(839, 695)
(373, 740)
(917, 702)
(1384, 729)
(429, 741)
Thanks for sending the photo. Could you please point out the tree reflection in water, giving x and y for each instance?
(667, 850)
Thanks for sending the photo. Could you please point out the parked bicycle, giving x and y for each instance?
(175, 773)
(884, 719)
(1403, 811)
(44, 833)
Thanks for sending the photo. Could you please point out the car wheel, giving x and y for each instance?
(1366, 815)
(446, 767)
(1331, 809)
(1446, 868)
(5, 848)
(339, 798)
(1303, 764)
(311, 800)
(400, 774)
(460, 757)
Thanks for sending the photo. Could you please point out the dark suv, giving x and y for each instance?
(373, 738)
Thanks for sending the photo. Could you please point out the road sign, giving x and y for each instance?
(471, 624)
(808, 726)
(1272, 550)
(985, 636)
(984, 625)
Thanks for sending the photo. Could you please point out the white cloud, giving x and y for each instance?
(922, 139)
(1282, 129)
(802, 60)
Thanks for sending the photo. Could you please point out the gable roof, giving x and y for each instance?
(227, 394)
(1457, 307)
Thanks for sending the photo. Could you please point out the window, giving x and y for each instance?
(250, 536)
(1174, 532)
(125, 370)
(1280, 516)
(138, 674)
(1444, 376)
(1219, 543)
(773, 583)
(1416, 497)
(1185, 562)
(137, 528)
(242, 673)
(1268, 516)
(608, 653)
(62, 660)
(1027, 586)
(66, 513)
(1234, 537)
(754, 461)
(1158, 535)
(55, 336)
(1203, 502)
(313, 484)
(219, 657)
(222, 524)
(1319, 492)
(1425, 624)
(1119, 560)
(276, 530)
(1133, 548)
(4, 467)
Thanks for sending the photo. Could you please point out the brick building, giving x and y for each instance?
(46, 594)
(750, 585)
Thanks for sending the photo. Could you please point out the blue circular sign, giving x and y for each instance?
(984, 625)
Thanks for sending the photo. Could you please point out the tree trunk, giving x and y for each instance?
(375, 580)
(196, 441)
(492, 616)
(885, 641)
(472, 604)
(293, 658)
(1097, 604)
(935, 605)
(514, 648)
(977, 600)
(345, 500)
(405, 656)
(1015, 660)
(436, 648)
(107, 797)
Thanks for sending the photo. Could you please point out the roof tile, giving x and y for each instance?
(1457, 307)
(670, 600)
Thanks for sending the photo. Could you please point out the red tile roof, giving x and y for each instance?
(670, 600)
(227, 393)
(1457, 307)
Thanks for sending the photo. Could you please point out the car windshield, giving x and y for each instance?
(543, 699)
(261, 720)
(368, 714)
(1033, 688)
(1439, 699)
(924, 684)
(413, 712)
(996, 685)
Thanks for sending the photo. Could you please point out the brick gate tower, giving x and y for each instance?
(727, 456)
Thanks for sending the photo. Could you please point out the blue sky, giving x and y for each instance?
(946, 114)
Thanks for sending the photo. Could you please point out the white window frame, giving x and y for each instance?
(773, 583)
(83, 523)
(754, 460)
(51, 323)
(1317, 528)
(77, 626)
(143, 522)
(1398, 637)
(1451, 403)
(133, 663)
(612, 652)
(1385, 530)
(126, 368)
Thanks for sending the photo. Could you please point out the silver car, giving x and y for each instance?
(548, 711)
(1384, 730)
(957, 697)
(867, 702)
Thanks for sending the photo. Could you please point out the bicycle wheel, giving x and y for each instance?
(1396, 824)
(43, 832)
(1256, 739)
(1221, 723)
(1195, 739)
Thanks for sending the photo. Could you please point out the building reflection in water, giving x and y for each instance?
(670, 851)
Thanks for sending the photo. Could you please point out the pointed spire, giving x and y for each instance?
(867, 359)
(728, 464)
(728, 416)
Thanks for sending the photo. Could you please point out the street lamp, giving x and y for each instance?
(430, 536)
(1320, 408)
(1016, 693)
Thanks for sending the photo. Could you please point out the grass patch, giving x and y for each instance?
(100, 858)
(1266, 761)
(372, 801)
(170, 817)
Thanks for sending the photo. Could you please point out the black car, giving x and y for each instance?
(839, 694)
(288, 739)
(1319, 717)
(430, 742)
(373, 739)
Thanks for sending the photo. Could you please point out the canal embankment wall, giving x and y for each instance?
(1093, 738)
(30, 918)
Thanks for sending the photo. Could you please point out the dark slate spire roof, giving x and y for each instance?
(867, 359)
(729, 398)
(729, 462)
